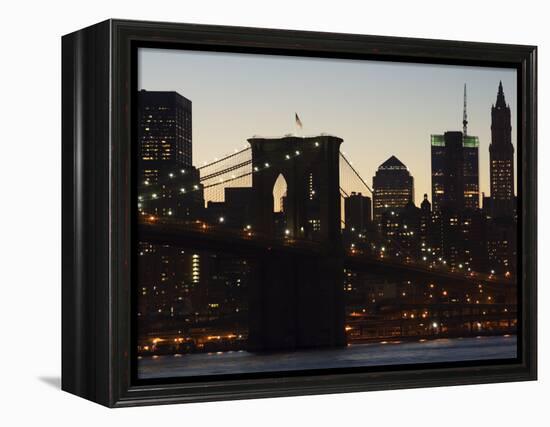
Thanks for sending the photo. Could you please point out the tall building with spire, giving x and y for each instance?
(501, 155)
(455, 167)
(455, 193)
(502, 225)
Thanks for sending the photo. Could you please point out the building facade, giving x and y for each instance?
(455, 170)
(358, 212)
(165, 152)
(501, 158)
(393, 187)
(501, 207)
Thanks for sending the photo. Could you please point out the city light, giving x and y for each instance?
(379, 238)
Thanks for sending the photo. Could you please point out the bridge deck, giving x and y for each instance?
(201, 236)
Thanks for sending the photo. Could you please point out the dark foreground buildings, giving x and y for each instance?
(193, 300)
(168, 277)
(460, 232)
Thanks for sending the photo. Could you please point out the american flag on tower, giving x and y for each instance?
(298, 121)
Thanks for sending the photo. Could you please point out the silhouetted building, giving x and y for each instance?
(501, 155)
(357, 209)
(455, 171)
(470, 147)
(399, 229)
(393, 187)
(164, 133)
(455, 227)
(165, 154)
(501, 209)
(502, 245)
(168, 277)
(425, 226)
(235, 211)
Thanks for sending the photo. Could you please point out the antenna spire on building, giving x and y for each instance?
(465, 115)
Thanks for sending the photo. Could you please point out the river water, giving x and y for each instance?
(355, 355)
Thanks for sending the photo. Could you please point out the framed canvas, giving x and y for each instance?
(257, 213)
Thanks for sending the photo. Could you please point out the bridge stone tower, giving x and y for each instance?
(297, 300)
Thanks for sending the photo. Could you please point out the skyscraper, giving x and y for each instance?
(393, 187)
(164, 132)
(165, 149)
(455, 171)
(502, 226)
(501, 155)
(357, 209)
(470, 147)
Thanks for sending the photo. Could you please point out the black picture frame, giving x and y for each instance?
(98, 72)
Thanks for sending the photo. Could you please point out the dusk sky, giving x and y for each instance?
(379, 108)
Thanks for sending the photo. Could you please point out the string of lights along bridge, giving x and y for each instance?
(235, 170)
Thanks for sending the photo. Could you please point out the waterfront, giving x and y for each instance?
(355, 355)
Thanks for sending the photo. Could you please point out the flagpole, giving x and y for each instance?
(298, 123)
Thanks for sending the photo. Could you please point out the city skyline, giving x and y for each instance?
(267, 101)
(223, 267)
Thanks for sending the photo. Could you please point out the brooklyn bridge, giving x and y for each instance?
(303, 253)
